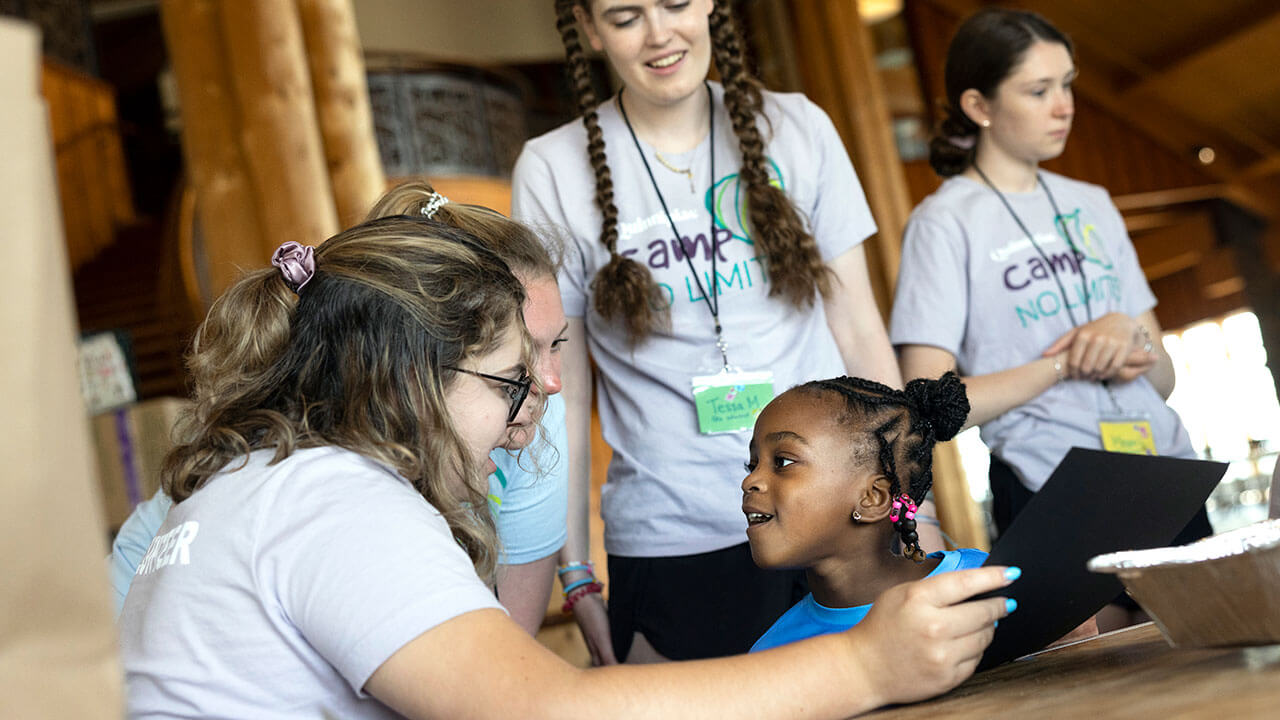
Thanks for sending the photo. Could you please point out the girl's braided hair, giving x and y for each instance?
(905, 424)
(624, 289)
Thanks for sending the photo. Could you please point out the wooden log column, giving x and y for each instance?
(277, 128)
(836, 57)
(227, 204)
(342, 104)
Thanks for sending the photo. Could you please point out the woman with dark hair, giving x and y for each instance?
(1025, 280)
(714, 257)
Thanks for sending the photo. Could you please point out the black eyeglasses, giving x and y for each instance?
(519, 388)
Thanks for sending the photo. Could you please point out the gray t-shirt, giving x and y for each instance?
(276, 591)
(670, 490)
(972, 284)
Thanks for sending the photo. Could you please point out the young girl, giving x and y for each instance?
(714, 228)
(837, 469)
(330, 549)
(1026, 281)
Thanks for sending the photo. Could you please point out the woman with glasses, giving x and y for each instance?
(330, 551)
(528, 489)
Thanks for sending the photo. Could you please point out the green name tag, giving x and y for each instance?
(729, 402)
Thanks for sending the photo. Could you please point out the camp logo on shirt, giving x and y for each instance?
(169, 548)
(1031, 280)
(726, 201)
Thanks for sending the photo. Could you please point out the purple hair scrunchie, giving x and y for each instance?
(297, 264)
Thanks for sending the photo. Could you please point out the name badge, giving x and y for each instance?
(1127, 434)
(729, 401)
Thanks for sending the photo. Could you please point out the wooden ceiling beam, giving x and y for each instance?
(1165, 125)
(1261, 30)
(1269, 165)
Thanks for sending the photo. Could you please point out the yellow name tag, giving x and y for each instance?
(1127, 436)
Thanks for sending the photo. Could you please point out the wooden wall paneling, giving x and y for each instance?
(342, 106)
(91, 157)
(836, 58)
(113, 173)
(284, 157)
(226, 201)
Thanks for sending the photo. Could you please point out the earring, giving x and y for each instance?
(986, 123)
(857, 516)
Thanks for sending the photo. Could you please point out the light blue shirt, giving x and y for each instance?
(529, 493)
(808, 619)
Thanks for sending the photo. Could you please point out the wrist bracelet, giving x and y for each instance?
(577, 584)
(1057, 368)
(1147, 344)
(573, 566)
(573, 599)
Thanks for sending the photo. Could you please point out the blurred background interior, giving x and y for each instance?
(192, 137)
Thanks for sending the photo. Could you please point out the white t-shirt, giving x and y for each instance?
(670, 490)
(529, 493)
(971, 283)
(276, 591)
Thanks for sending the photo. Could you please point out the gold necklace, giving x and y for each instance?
(687, 172)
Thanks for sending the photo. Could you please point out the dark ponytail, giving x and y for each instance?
(985, 50)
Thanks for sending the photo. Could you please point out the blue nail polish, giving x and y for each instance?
(997, 623)
(1012, 573)
(1010, 605)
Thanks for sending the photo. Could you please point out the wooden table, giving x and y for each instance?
(1130, 673)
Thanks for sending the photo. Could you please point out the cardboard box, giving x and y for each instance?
(132, 443)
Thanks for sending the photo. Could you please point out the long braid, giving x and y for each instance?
(931, 411)
(789, 251)
(624, 289)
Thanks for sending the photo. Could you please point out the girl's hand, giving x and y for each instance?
(1100, 349)
(922, 638)
(593, 620)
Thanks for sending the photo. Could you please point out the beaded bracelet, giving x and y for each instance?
(577, 584)
(573, 566)
(1147, 344)
(580, 593)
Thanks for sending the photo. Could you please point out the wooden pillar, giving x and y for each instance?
(277, 128)
(227, 204)
(279, 131)
(342, 104)
(836, 58)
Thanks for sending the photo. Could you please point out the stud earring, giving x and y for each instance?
(986, 123)
(857, 516)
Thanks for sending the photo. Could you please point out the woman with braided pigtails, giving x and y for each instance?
(713, 256)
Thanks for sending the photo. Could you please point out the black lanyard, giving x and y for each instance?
(1075, 254)
(713, 298)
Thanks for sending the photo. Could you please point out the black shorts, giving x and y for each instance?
(697, 606)
(1009, 496)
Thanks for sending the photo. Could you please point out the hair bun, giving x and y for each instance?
(942, 402)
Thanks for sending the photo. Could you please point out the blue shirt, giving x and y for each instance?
(808, 619)
(529, 494)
